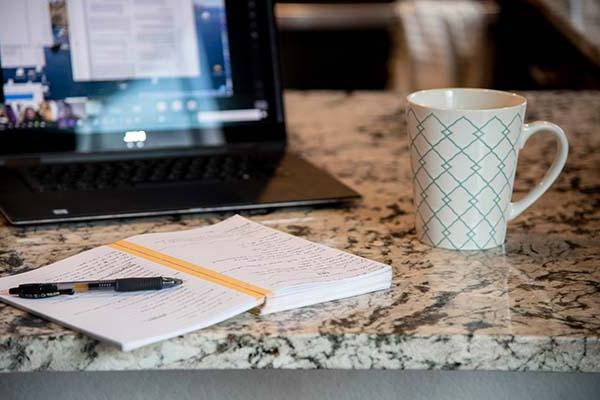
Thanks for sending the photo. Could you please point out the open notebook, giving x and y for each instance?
(228, 268)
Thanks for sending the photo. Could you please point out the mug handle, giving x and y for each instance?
(560, 159)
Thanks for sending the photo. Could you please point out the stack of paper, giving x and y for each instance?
(227, 268)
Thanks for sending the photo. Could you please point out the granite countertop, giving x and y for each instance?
(533, 305)
(578, 20)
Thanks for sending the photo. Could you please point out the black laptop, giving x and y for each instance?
(136, 108)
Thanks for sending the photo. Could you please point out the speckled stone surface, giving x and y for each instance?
(532, 305)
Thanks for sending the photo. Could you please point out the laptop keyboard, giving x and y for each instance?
(145, 173)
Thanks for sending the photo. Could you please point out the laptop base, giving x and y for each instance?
(294, 182)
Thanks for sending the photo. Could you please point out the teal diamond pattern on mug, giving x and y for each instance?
(462, 178)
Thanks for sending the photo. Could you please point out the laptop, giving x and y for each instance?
(124, 108)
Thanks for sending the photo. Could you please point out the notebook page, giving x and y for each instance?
(260, 255)
(128, 319)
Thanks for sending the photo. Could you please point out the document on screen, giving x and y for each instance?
(132, 39)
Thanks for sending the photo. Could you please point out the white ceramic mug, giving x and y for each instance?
(464, 146)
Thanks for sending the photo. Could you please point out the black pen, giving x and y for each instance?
(43, 290)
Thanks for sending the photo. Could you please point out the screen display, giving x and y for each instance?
(102, 66)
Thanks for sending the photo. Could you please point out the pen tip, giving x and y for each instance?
(172, 281)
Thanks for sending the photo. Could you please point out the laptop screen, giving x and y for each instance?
(105, 66)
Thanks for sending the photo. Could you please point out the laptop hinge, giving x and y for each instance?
(21, 162)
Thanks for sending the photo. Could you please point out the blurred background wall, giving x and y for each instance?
(407, 45)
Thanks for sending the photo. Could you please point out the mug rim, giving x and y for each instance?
(410, 99)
